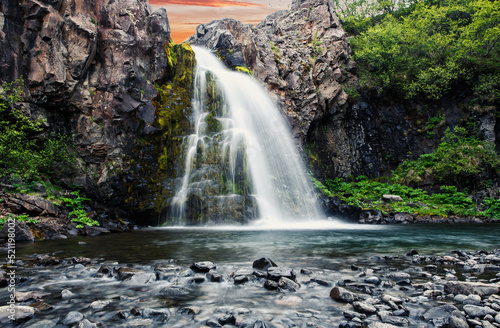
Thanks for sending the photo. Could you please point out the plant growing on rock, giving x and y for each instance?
(78, 210)
(24, 152)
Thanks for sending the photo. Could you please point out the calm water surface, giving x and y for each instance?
(240, 246)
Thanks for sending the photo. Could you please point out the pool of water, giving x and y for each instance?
(241, 246)
(327, 253)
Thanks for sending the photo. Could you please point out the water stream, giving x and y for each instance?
(241, 161)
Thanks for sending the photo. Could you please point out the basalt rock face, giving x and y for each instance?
(301, 55)
(89, 67)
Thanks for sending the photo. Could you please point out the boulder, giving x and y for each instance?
(21, 313)
(441, 316)
(364, 307)
(275, 273)
(22, 233)
(202, 266)
(466, 288)
(263, 264)
(475, 311)
(71, 318)
(340, 294)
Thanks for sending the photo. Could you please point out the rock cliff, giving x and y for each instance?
(303, 57)
(89, 69)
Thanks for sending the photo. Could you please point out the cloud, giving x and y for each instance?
(205, 3)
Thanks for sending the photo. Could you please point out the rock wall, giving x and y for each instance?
(303, 57)
(90, 69)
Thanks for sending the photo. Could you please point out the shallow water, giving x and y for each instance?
(328, 253)
(239, 245)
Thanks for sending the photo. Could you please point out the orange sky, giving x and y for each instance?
(185, 15)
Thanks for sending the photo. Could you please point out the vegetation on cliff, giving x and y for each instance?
(25, 151)
(425, 47)
(457, 168)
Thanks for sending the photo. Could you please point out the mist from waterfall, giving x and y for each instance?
(240, 154)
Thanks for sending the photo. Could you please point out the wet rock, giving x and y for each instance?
(43, 324)
(71, 318)
(95, 231)
(376, 324)
(26, 296)
(66, 294)
(105, 270)
(42, 306)
(351, 315)
(355, 323)
(175, 291)
(213, 323)
(497, 318)
(388, 317)
(433, 293)
(374, 280)
(22, 232)
(227, 319)
(159, 315)
(202, 266)
(440, 316)
(275, 273)
(472, 299)
(364, 307)
(263, 263)
(86, 324)
(81, 260)
(189, 310)
(340, 294)
(214, 277)
(140, 322)
(260, 324)
(306, 271)
(401, 278)
(271, 284)
(321, 282)
(478, 311)
(21, 313)
(285, 283)
(388, 298)
(241, 279)
(412, 252)
(99, 305)
(466, 288)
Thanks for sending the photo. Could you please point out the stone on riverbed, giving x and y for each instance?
(340, 294)
(275, 273)
(26, 296)
(364, 307)
(478, 311)
(445, 316)
(263, 263)
(22, 313)
(72, 318)
(43, 324)
(202, 266)
(286, 283)
(467, 288)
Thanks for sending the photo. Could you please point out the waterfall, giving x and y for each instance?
(241, 163)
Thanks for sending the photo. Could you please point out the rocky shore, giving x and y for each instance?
(460, 289)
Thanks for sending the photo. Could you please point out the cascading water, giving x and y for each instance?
(241, 163)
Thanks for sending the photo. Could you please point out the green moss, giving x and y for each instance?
(244, 69)
(157, 156)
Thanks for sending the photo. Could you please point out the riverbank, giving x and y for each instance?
(453, 289)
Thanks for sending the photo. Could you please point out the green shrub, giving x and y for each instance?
(23, 151)
(425, 48)
(460, 160)
(78, 213)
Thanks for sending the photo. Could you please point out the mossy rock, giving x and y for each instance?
(158, 156)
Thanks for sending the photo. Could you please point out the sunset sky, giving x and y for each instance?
(185, 15)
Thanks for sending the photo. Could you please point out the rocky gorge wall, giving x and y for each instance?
(90, 69)
(303, 57)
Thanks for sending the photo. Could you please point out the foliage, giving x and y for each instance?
(23, 151)
(460, 160)
(78, 210)
(367, 194)
(424, 48)
(22, 218)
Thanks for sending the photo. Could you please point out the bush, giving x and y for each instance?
(78, 213)
(426, 48)
(23, 152)
(460, 160)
